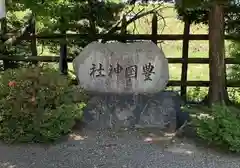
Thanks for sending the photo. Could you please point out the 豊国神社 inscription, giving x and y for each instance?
(129, 71)
(140, 67)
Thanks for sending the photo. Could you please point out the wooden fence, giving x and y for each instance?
(155, 37)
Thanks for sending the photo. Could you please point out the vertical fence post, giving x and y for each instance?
(3, 49)
(33, 45)
(63, 65)
(124, 28)
(93, 30)
(185, 59)
(154, 28)
(92, 19)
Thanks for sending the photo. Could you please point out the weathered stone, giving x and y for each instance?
(182, 117)
(139, 67)
(116, 111)
(2, 9)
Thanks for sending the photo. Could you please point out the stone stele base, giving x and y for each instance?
(129, 111)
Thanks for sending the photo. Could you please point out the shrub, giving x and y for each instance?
(37, 104)
(196, 94)
(222, 127)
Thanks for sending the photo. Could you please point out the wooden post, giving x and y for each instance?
(92, 20)
(124, 28)
(185, 59)
(33, 45)
(154, 28)
(3, 49)
(63, 65)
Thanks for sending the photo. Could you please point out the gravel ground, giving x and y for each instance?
(105, 149)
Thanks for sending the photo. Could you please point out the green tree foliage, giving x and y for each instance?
(197, 12)
(78, 16)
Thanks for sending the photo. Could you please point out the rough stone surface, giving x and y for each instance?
(139, 67)
(2, 9)
(116, 111)
(182, 117)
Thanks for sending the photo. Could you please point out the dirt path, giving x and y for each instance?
(113, 150)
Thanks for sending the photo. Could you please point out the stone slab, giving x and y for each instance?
(139, 67)
(117, 111)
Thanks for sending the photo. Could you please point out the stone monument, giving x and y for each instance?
(2, 9)
(126, 83)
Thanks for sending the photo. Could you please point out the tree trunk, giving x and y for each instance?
(217, 71)
(92, 19)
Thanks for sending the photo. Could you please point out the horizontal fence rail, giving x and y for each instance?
(119, 37)
(170, 60)
(57, 58)
(201, 83)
